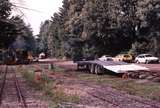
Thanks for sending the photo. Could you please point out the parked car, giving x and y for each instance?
(42, 55)
(35, 59)
(146, 58)
(106, 58)
(124, 58)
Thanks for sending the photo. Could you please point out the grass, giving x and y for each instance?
(131, 86)
(47, 87)
(51, 67)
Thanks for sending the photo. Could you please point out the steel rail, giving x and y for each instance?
(101, 95)
(21, 98)
(3, 84)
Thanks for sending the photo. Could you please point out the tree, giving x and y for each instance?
(153, 21)
(97, 27)
(148, 29)
(43, 36)
(22, 32)
(5, 9)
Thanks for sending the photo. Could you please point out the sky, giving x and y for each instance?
(39, 11)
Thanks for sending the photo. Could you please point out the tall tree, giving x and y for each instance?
(97, 27)
(43, 36)
(5, 23)
(5, 9)
(23, 32)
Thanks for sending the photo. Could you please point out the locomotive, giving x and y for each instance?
(17, 56)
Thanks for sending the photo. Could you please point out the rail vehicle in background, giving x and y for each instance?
(17, 56)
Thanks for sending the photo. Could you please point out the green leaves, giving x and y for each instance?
(103, 26)
(13, 27)
(5, 9)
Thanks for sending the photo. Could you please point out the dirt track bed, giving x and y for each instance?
(10, 97)
(98, 92)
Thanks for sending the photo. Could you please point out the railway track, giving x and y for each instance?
(21, 98)
(10, 90)
(3, 74)
(120, 100)
(111, 98)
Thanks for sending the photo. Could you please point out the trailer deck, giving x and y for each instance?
(97, 66)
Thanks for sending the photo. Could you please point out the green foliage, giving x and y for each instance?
(148, 33)
(5, 9)
(48, 87)
(13, 28)
(97, 27)
(24, 32)
(138, 48)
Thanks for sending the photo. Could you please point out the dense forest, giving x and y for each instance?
(14, 32)
(96, 27)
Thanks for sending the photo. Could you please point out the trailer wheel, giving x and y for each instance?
(87, 67)
(78, 66)
(101, 70)
(98, 69)
(92, 69)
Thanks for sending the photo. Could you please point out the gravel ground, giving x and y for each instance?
(97, 96)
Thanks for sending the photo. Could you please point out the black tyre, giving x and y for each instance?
(137, 61)
(146, 61)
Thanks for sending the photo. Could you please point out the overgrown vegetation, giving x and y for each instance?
(144, 89)
(53, 95)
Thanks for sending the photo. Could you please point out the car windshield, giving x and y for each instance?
(148, 55)
(109, 59)
(105, 56)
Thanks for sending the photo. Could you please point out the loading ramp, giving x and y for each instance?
(97, 66)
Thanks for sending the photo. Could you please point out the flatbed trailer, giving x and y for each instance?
(98, 67)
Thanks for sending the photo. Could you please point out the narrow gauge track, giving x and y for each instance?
(3, 74)
(21, 98)
(10, 89)
(117, 99)
(120, 100)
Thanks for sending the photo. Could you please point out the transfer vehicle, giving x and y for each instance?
(146, 58)
(105, 58)
(124, 57)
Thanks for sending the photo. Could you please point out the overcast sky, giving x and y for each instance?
(42, 10)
